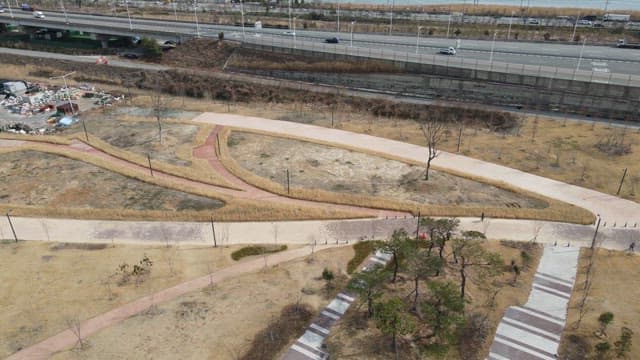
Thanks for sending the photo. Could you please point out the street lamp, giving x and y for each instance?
(294, 32)
(449, 23)
(393, 4)
(418, 39)
(338, 13)
(10, 10)
(575, 27)
(579, 58)
(66, 18)
(175, 11)
(195, 15)
(126, 3)
(352, 24)
(242, 19)
(493, 44)
(510, 23)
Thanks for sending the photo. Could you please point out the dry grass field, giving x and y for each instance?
(357, 338)
(43, 285)
(46, 180)
(218, 322)
(615, 288)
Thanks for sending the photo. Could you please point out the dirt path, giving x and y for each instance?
(611, 208)
(207, 151)
(67, 339)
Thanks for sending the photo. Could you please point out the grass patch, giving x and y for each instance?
(256, 250)
(362, 249)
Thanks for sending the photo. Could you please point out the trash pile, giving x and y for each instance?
(55, 106)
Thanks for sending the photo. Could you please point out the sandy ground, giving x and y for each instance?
(615, 288)
(351, 340)
(43, 285)
(216, 323)
(333, 169)
(41, 179)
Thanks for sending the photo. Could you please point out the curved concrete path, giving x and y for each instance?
(610, 208)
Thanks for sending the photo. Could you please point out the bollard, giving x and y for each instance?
(614, 224)
(625, 224)
(605, 224)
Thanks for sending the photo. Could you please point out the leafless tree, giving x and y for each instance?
(159, 108)
(433, 132)
(74, 325)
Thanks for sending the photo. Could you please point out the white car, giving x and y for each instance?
(585, 22)
(289, 33)
(38, 15)
(448, 51)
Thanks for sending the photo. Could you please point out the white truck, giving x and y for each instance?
(622, 43)
(616, 17)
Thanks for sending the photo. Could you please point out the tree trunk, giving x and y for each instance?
(369, 305)
(459, 138)
(463, 280)
(426, 174)
(395, 267)
(415, 298)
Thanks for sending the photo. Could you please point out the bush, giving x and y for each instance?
(256, 250)
(327, 274)
(151, 48)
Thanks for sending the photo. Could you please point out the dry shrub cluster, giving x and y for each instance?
(293, 319)
(199, 53)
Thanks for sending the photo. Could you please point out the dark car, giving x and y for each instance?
(332, 40)
(129, 55)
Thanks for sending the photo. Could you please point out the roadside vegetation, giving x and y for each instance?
(256, 250)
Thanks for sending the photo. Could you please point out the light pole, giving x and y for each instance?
(579, 58)
(294, 32)
(175, 11)
(606, 6)
(66, 18)
(352, 23)
(393, 5)
(575, 27)
(448, 24)
(493, 44)
(126, 3)
(10, 10)
(195, 15)
(242, 19)
(289, 14)
(338, 13)
(510, 23)
(418, 39)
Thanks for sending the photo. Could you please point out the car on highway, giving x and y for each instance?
(129, 55)
(38, 15)
(584, 22)
(289, 33)
(1, 10)
(447, 51)
(332, 40)
(533, 21)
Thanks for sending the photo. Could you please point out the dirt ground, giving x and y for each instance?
(43, 285)
(354, 338)
(317, 166)
(615, 288)
(217, 323)
(42, 179)
(135, 130)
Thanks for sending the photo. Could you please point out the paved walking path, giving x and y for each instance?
(533, 331)
(310, 346)
(66, 339)
(611, 208)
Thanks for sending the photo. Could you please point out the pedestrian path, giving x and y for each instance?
(533, 331)
(310, 346)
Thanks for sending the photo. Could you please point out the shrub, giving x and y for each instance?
(256, 250)
(327, 274)
(151, 48)
(362, 249)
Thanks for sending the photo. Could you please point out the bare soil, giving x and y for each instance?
(615, 288)
(317, 166)
(42, 179)
(43, 285)
(218, 322)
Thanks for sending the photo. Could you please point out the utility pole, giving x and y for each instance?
(418, 39)
(288, 183)
(493, 44)
(84, 127)
(575, 27)
(213, 230)
(580, 58)
(595, 234)
(66, 18)
(624, 174)
(13, 230)
(128, 15)
(242, 19)
(195, 15)
(149, 161)
(510, 23)
(393, 4)
(418, 228)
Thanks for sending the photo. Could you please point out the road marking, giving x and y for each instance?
(320, 328)
(306, 352)
(328, 314)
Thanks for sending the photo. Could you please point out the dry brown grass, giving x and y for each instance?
(557, 211)
(235, 209)
(615, 289)
(49, 284)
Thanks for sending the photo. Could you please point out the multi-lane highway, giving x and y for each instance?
(601, 61)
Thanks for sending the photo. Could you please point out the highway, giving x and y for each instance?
(601, 61)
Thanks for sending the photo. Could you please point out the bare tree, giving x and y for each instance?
(433, 132)
(159, 108)
(74, 325)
